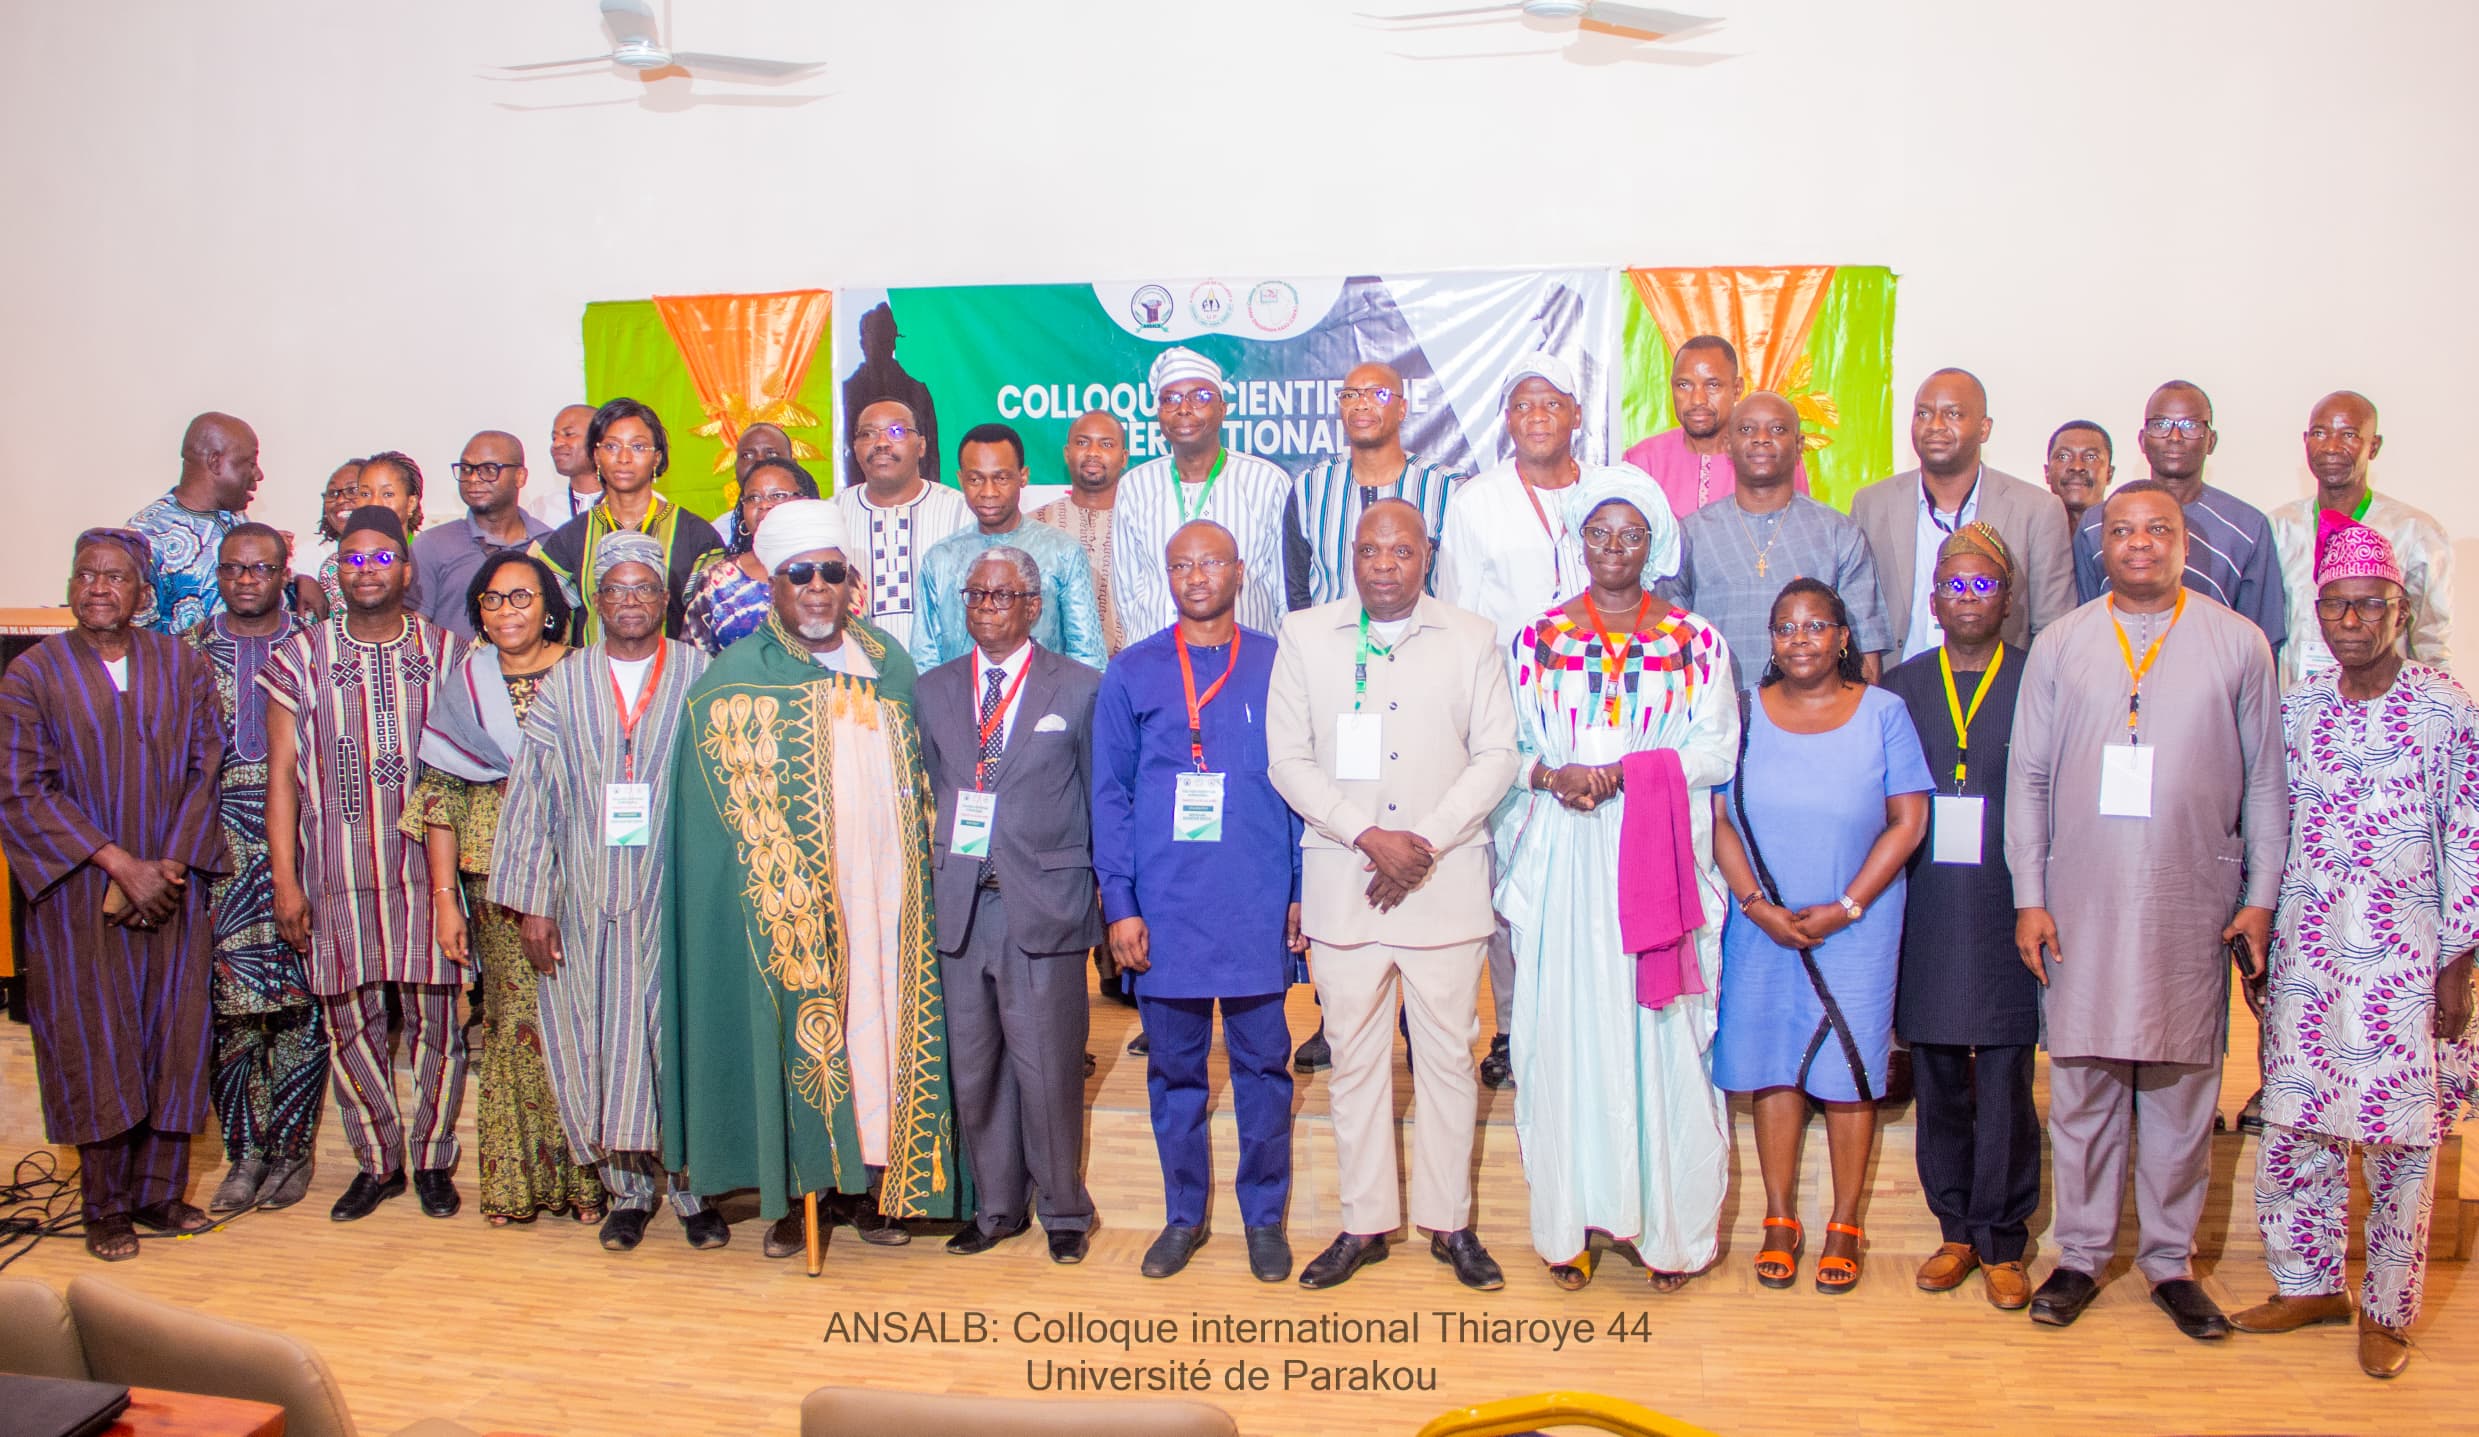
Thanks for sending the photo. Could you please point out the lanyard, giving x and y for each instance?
(2136, 671)
(2365, 500)
(630, 716)
(1557, 557)
(1205, 495)
(1962, 716)
(1360, 669)
(1614, 651)
(1197, 703)
(997, 718)
(1959, 510)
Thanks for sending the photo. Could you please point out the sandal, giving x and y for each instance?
(1573, 1275)
(173, 1216)
(1837, 1275)
(111, 1239)
(1778, 1267)
(1666, 1282)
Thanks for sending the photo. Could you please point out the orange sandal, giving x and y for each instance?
(1778, 1267)
(1837, 1275)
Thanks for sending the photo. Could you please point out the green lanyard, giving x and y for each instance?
(1360, 668)
(1204, 495)
(2359, 514)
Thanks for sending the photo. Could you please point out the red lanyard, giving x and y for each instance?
(1614, 651)
(1196, 704)
(630, 717)
(998, 717)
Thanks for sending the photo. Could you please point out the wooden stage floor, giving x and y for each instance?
(536, 1329)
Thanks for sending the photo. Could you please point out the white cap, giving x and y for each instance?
(1540, 365)
(1178, 364)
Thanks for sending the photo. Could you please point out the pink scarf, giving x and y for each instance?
(1659, 909)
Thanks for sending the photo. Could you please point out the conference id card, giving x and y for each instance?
(1957, 829)
(2126, 780)
(1358, 741)
(628, 815)
(1196, 809)
(975, 810)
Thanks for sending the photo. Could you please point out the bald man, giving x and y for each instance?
(490, 478)
(757, 444)
(2342, 441)
(186, 526)
(1908, 517)
(1327, 500)
(573, 460)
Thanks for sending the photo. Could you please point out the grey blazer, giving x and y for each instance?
(1041, 844)
(2028, 516)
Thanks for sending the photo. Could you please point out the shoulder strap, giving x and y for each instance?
(1738, 805)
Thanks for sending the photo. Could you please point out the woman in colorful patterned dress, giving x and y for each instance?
(731, 596)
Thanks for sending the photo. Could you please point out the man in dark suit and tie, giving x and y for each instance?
(1005, 734)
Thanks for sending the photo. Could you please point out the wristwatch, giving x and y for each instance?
(1853, 907)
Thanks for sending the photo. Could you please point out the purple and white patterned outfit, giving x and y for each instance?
(2381, 890)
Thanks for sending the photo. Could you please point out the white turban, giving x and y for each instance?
(1542, 365)
(1176, 364)
(1626, 484)
(799, 526)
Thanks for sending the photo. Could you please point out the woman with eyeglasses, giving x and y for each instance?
(1628, 723)
(630, 451)
(389, 479)
(468, 742)
(1830, 799)
(731, 596)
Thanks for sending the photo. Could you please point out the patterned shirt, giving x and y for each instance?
(1090, 528)
(1323, 513)
(1070, 622)
(1734, 564)
(1246, 498)
(898, 536)
(186, 544)
(2426, 557)
(2230, 556)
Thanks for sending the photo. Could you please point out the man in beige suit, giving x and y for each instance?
(1389, 728)
(1908, 516)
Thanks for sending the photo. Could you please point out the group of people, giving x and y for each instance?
(774, 854)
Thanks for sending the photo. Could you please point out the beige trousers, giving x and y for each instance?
(1357, 987)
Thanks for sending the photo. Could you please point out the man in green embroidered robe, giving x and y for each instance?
(804, 1036)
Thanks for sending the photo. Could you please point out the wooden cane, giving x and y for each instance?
(809, 1233)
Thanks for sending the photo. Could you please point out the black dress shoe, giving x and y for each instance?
(437, 1191)
(1315, 1056)
(973, 1237)
(1462, 1251)
(876, 1228)
(1347, 1254)
(1269, 1254)
(1070, 1247)
(1498, 1069)
(363, 1196)
(1170, 1252)
(1139, 1046)
(2189, 1306)
(788, 1235)
(705, 1229)
(2063, 1297)
(624, 1228)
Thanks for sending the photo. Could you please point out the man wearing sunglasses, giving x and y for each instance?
(490, 477)
(896, 514)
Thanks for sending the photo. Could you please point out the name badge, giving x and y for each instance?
(2126, 780)
(1358, 742)
(628, 815)
(975, 810)
(1196, 809)
(1956, 829)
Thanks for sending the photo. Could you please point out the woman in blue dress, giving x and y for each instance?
(1831, 797)
(730, 596)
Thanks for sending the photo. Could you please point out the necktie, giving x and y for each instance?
(993, 731)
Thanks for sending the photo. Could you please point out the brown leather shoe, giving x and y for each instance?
(2009, 1287)
(2382, 1351)
(2288, 1314)
(1947, 1267)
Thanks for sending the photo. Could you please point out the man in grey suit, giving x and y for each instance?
(1909, 515)
(1005, 735)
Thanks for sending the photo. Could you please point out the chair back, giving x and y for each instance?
(868, 1412)
(37, 1336)
(144, 1343)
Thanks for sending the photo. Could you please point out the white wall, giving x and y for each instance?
(319, 217)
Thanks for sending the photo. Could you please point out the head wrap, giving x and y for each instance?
(2348, 549)
(1624, 483)
(1177, 364)
(1541, 365)
(136, 543)
(627, 546)
(377, 518)
(1980, 538)
(798, 527)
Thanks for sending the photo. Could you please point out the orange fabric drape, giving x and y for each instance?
(1764, 312)
(747, 354)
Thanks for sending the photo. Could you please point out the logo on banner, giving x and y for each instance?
(1210, 304)
(1151, 307)
(1273, 305)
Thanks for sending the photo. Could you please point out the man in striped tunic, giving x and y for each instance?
(1200, 478)
(1326, 501)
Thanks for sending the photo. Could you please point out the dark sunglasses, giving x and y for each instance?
(799, 572)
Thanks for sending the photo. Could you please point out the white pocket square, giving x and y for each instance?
(1051, 723)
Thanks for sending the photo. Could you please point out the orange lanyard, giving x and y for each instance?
(1614, 651)
(631, 716)
(2136, 671)
(1197, 703)
(998, 717)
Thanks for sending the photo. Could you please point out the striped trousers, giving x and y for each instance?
(365, 1079)
(132, 1170)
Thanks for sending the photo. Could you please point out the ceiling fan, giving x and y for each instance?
(637, 45)
(1640, 22)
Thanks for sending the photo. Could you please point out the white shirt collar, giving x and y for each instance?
(1011, 665)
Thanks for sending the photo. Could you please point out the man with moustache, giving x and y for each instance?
(1096, 455)
(1199, 478)
(572, 459)
(490, 478)
(2342, 443)
(1323, 511)
(895, 515)
(1692, 462)
(2078, 467)
(185, 528)
(2230, 554)
(1908, 518)
(990, 471)
(2145, 806)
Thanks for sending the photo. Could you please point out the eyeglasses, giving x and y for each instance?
(492, 599)
(799, 572)
(1802, 628)
(489, 469)
(1182, 568)
(250, 571)
(1378, 394)
(768, 500)
(1601, 537)
(1000, 600)
(613, 448)
(2159, 427)
(2369, 611)
(1190, 398)
(382, 558)
(1962, 585)
(627, 593)
(892, 433)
